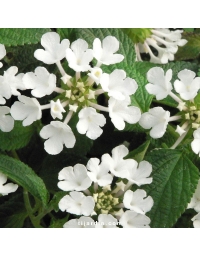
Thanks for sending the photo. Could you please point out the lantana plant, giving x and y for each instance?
(99, 128)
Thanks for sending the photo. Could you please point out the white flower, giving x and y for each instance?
(2, 53)
(195, 201)
(159, 85)
(196, 221)
(119, 112)
(188, 85)
(12, 81)
(117, 85)
(99, 172)
(135, 201)
(79, 56)
(157, 119)
(90, 122)
(6, 122)
(106, 221)
(117, 165)
(196, 142)
(54, 50)
(57, 109)
(7, 188)
(140, 175)
(105, 53)
(74, 178)
(77, 203)
(57, 134)
(95, 74)
(82, 222)
(5, 91)
(27, 109)
(131, 219)
(180, 130)
(41, 81)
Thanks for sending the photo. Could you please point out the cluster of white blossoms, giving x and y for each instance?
(195, 204)
(5, 189)
(157, 119)
(101, 202)
(76, 94)
(164, 41)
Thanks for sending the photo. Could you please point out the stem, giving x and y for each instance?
(174, 118)
(68, 117)
(100, 91)
(180, 139)
(176, 98)
(78, 75)
(98, 107)
(59, 90)
(45, 106)
(62, 71)
(14, 154)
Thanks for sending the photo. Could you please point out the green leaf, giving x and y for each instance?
(24, 176)
(19, 137)
(139, 153)
(56, 199)
(59, 223)
(21, 36)
(174, 181)
(191, 49)
(67, 33)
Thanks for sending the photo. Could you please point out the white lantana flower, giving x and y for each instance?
(90, 122)
(106, 221)
(99, 173)
(54, 49)
(79, 56)
(196, 142)
(2, 53)
(117, 85)
(105, 52)
(27, 109)
(77, 203)
(13, 81)
(41, 82)
(188, 86)
(131, 219)
(140, 175)
(57, 109)
(82, 222)
(119, 112)
(5, 91)
(74, 178)
(5, 189)
(95, 74)
(135, 202)
(157, 119)
(6, 121)
(195, 201)
(57, 133)
(159, 85)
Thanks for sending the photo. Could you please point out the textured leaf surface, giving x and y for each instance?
(174, 181)
(21, 36)
(24, 176)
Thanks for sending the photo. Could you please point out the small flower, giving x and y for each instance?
(117, 85)
(106, 221)
(157, 119)
(57, 134)
(5, 91)
(95, 74)
(82, 222)
(131, 219)
(196, 142)
(119, 112)
(74, 178)
(27, 109)
(79, 56)
(6, 122)
(57, 109)
(54, 50)
(104, 53)
(159, 85)
(90, 122)
(188, 85)
(135, 202)
(7, 188)
(41, 82)
(77, 203)
(2, 53)
(99, 173)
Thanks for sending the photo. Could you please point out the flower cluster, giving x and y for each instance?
(98, 200)
(195, 204)
(78, 94)
(5, 189)
(164, 41)
(157, 119)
